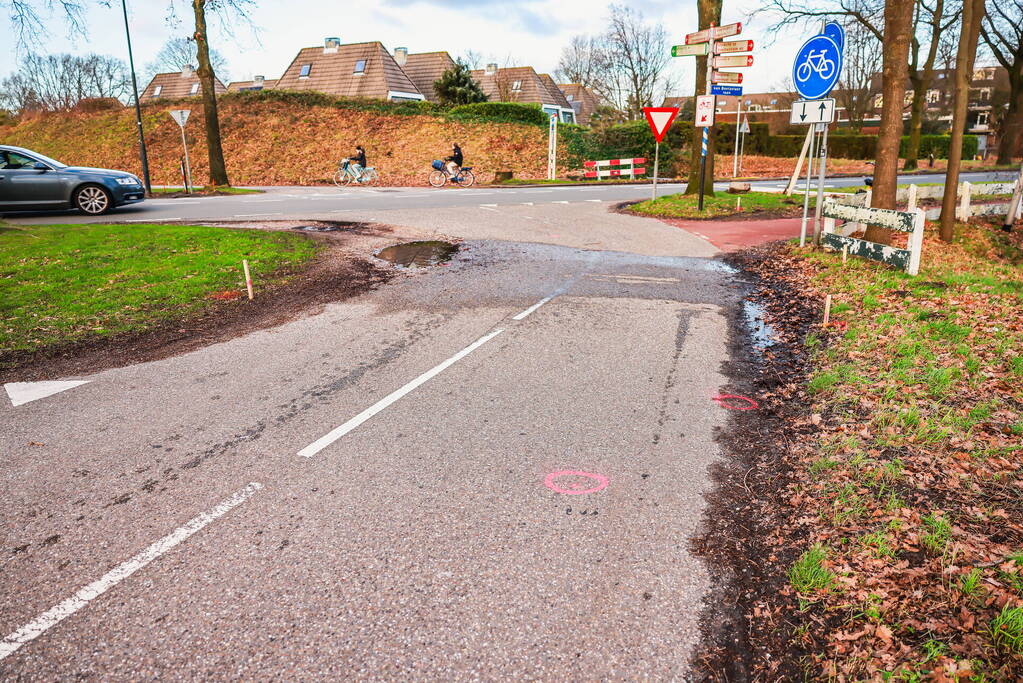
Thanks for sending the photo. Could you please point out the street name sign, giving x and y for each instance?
(725, 77)
(716, 31)
(733, 61)
(813, 111)
(697, 50)
(705, 111)
(729, 46)
(817, 66)
(726, 90)
(180, 115)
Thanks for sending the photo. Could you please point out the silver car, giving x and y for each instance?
(30, 181)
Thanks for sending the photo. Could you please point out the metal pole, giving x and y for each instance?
(820, 187)
(657, 161)
(806, 196)
(742, 150)
(703, 168)
(188, 165)
(738, 125)
(138, 109)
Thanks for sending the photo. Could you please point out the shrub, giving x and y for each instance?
(313, 98)
(504, 112)
(939, 145)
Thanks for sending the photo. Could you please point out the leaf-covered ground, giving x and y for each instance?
(890, 505)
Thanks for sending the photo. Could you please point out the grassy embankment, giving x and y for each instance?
(67, 283)
(908, 495)
(722, 205)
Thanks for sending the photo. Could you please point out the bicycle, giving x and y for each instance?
(346, 175)
(439, 176)
(815, 61)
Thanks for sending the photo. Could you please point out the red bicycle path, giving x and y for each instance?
(732, 235)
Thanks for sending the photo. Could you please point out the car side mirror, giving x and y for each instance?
(40, 166)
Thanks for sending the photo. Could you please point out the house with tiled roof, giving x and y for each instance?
(523, 84)
(184, 83)
(424, 68)
(353, 70)
(582, 101)
(257, 83)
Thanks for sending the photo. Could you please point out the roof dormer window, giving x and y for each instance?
(195, 88)
(304, 71)
(360, 67)
(517, 86)
(159, 89)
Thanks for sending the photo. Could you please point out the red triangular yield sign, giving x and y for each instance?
(660, 119)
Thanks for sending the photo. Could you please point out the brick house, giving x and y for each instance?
(523, 84)
(582, 101)
(184, 83)
(354, 70)
(257, 83)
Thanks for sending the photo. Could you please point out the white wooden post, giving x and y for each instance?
(916, 242)
(964, 202)
(799, 164)
(1014, 205)
(911, 200)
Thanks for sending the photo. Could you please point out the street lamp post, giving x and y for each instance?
(138, 109)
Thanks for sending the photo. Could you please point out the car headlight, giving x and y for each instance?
(127, 181)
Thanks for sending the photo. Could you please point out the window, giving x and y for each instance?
(304, 71)
(517, 86)
(360, 67)
(933, 96)
(774, 101)
(159, 89)
(195, 88)
(982, 119)
(568, 97)
(13, 160)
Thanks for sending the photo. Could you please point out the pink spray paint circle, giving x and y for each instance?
(597, 482)
(723, 401)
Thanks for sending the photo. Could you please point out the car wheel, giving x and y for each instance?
(93, 200)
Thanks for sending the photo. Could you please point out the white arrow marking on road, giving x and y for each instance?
(21, 393)
(62, 611)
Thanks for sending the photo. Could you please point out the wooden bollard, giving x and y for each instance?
(248, 277)
(827, 310)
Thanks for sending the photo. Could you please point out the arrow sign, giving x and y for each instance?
(180, 115)
(717, 31)
(725, 77)
(705, 105)
(733, 46)
(660, 119)
(813, 111)
(738, 61)
(697, 50)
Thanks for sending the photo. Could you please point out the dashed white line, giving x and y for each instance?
(527, 203)
(65, 609)
(335, 434)
(594, 200)
(487, 205)
(559, 202)
(532, 308)
(250, 215)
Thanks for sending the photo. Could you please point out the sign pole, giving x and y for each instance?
(552, 148)
(738, 126)
(806, 196)
(188, 165)
(706, 130)
(657, 161)
(820, 187)
(742, 148)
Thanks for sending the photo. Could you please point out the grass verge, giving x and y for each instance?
(907, 474)
(66, 283)
(723, 205)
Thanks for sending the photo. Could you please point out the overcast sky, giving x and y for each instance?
(520, 32)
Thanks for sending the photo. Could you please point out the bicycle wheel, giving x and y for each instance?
(827, 69)
(339, 178)
(467, 179)
(803, 72)
(438, 178)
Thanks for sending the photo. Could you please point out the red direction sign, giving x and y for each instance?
(717, 31)
(729, 46)
(725, 77)
(733, 61)
(660, 119)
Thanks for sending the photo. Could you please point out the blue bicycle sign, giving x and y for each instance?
(817, 67)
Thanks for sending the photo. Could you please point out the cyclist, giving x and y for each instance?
(359, 161)
(455, 160)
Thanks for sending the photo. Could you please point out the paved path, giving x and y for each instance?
(373, 491)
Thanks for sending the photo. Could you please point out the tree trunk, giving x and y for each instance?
(218, 170)
(1012, 129)
(916, 115)
(973, 13)
(898, 24)
(708, 11)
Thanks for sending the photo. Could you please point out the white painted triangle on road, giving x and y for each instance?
(21, 393)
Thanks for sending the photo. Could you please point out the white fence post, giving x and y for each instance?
(964, 202)
(916, 242)
(911, 202)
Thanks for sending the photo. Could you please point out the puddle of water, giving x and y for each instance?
(763, 334)
(418, 254)
(318, 228)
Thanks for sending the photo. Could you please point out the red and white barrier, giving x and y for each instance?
(634, 168)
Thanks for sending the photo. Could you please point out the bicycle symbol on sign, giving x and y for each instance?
(815, 62)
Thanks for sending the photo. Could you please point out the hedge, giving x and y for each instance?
(505, 112)
(313, 98)
(939, 145)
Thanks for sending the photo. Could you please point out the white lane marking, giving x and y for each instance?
(559, 202)
(249, 215)
(535, 306)
(335, 434)
(527, 203)
(65, 609)
(594, 200)
(486, 205)
(21, 393)
(265, 201)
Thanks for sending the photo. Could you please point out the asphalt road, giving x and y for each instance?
(331, 202)
(487, 470)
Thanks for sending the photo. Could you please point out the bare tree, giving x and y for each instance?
(855, 90)
(639, 55)
(1002, 31)
(973, 17)
(176, 53)
(59, 82)
(471, 59)
(585, 60)
(708, 12)
(28, 17)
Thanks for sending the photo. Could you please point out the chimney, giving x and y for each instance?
(331, 45)
(257, 80)
(401, 55)
(187, 71)
(491, 69)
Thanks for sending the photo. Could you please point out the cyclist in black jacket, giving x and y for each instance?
(455, 160)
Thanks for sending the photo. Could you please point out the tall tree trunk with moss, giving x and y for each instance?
(898, 25)
(708, 12)
(973, 14)
(218, 170)
(1002, 31)
(921, 77)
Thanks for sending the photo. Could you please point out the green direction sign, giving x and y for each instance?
(697, 50)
